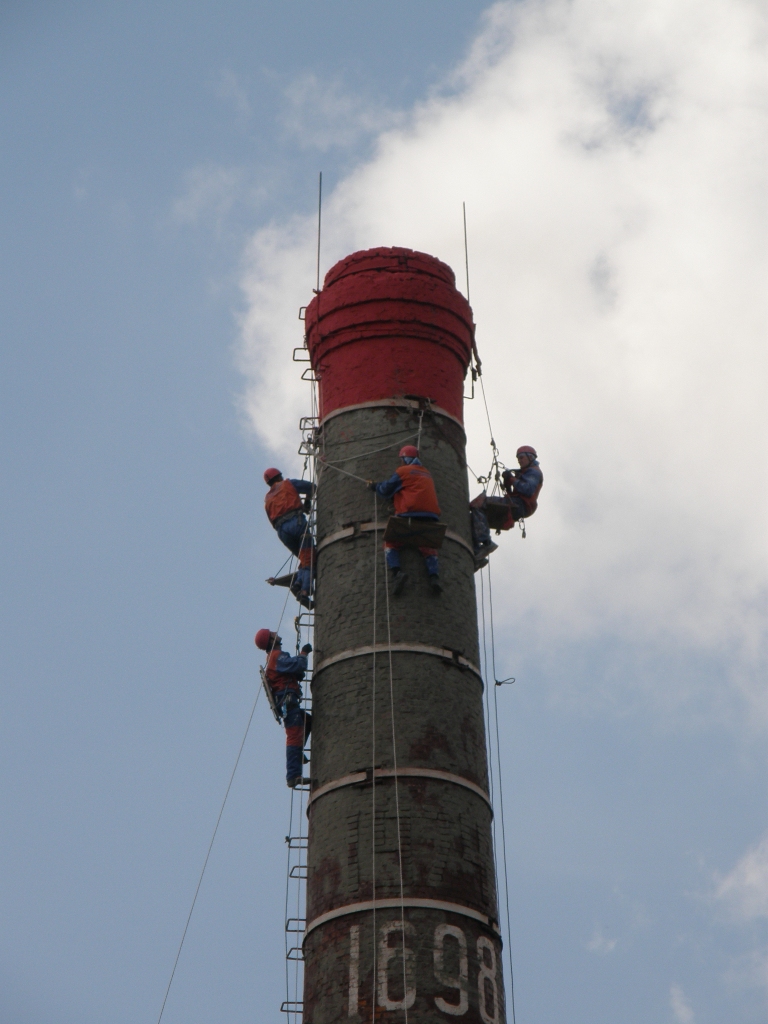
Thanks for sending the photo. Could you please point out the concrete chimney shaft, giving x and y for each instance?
(390, 338)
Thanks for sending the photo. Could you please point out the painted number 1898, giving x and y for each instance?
(402, 958)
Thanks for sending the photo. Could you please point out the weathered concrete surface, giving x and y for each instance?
(444, 843)
(446, 976)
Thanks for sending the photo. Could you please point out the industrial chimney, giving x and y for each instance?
(402, 919)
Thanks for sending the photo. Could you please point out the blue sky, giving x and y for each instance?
(159, 169)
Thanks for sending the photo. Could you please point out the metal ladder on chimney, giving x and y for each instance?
(296, 840)
(296, 867)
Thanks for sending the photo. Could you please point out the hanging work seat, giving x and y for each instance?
(498, 514)
(415, 533)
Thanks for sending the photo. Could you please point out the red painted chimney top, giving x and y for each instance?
(388, 324)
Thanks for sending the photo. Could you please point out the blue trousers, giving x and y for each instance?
(428, 554)
(481, 531)
(392, 549)
(294, 533)
(298, 726)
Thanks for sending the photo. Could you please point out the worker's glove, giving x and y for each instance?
(306, 649)
(307, 504)
(371, 485)
(508, 476)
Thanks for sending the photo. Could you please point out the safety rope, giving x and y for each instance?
(363, 437)
(496, 683)
(373, 752)
(384, 448)
(208, 854)
(330, 465)
(288, 895)
(487, 698)
(397, 792)
(282, 566)
(218, 820)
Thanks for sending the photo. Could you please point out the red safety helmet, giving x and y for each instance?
(526, 449)
(271, 473)
(263, 639)
(408, 451)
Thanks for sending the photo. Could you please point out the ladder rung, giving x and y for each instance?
(299, 922)
(296, 842)
(291, 1007)
(296, 869)
(295, 953)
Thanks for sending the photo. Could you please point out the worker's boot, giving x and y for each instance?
(484, 551)
(298, 781)
(399, 579)
(305, 600)
(435, 584)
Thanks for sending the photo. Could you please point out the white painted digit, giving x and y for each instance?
(487, 973)
(354, 969)
(387, 953)
(462, 982)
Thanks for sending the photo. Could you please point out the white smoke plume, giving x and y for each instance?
(744, 890)
(611, 156)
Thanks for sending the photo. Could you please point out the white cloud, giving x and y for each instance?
(680, 1006)
(228, 87)
(749, 970)
(600, 944)
(210, 192)
(319, 115)
(611, 157)
(744, 890)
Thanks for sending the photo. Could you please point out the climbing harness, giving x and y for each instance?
(270, 696)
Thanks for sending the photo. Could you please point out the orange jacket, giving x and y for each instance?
(281, 497)
(283, 672)
(417, 493)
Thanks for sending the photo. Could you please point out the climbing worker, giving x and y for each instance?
(285, 510)
(521, 489)
(522, 485)
(413, 493)
(284, 672)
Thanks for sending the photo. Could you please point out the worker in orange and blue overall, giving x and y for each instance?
(284, 673)
(521, 492)
(413, 494)
(285, 510)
